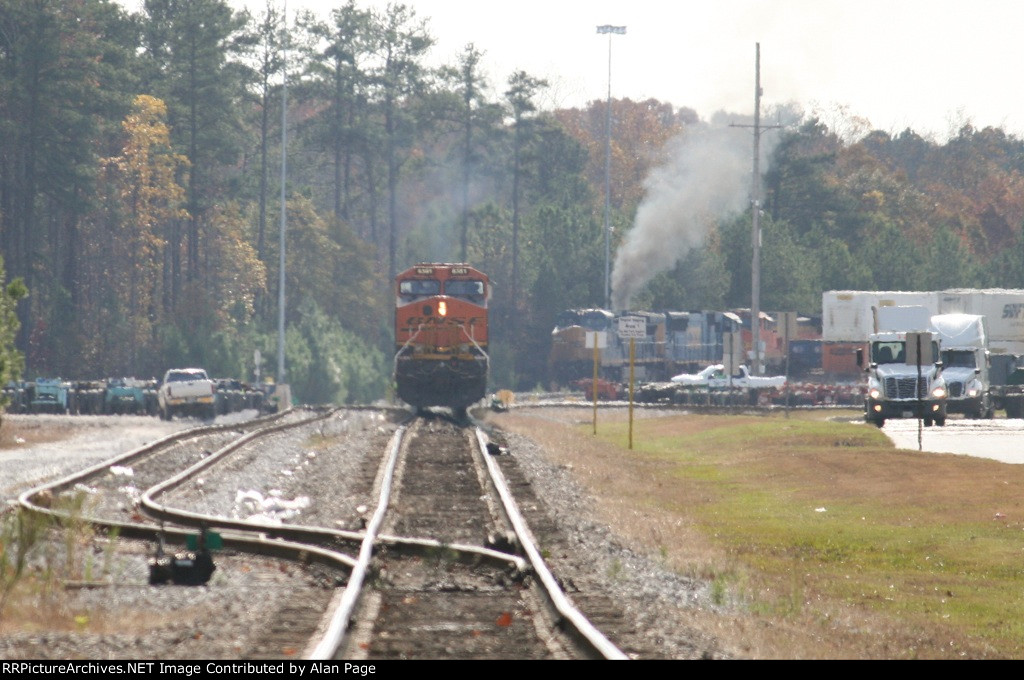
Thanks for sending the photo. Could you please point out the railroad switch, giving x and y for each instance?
(505, 542)
(184, 568)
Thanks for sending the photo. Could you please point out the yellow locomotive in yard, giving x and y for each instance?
(441, 335)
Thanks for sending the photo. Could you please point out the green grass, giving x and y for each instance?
(815, 514)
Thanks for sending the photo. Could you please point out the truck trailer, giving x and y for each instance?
(847, 316)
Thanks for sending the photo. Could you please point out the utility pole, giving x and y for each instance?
(755, 227)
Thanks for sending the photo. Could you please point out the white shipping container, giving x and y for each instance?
(847, 316)
(904, 318)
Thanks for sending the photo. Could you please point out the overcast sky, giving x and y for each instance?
(930, 65)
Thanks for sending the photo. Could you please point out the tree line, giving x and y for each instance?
(140, 185)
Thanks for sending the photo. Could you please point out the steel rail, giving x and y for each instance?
(25, 499)
(310, 534)
(331, 641)
(307, 535)
(159, 511)
(295, 542)
(586, 631)
(253, 540)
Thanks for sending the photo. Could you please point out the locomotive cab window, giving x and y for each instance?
(596, 320)
(469, 290)
(418, 287)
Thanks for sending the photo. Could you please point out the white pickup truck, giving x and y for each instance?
(187, 391)
(715, 377)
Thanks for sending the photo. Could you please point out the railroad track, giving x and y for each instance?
(116, 498)
(446, 603)
(435, 562)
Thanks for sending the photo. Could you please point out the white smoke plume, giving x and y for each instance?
(706, 179)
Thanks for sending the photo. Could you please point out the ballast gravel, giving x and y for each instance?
(306, 477)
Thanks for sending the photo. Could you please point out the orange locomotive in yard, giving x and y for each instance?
(441, 335)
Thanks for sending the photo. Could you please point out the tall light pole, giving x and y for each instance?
(284, 179)
(610, 30)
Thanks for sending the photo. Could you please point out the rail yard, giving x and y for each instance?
(296, 500)
(307, 483)
(258, 530)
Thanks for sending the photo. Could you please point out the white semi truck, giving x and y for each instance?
(904, 368)
(965, 364)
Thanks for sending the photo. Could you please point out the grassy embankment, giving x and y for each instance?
(825, 540)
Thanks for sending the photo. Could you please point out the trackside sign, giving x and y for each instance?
(632, 327)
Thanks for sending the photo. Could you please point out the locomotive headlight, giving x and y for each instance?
(442, 308)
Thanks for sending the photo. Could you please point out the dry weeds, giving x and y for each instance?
(25, 433)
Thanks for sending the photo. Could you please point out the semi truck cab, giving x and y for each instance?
(899, 386)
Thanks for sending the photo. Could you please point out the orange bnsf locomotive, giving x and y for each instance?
(441, 335)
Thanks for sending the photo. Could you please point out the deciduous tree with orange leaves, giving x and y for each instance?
(144, 188)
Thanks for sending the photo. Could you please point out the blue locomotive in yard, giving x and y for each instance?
(674, 342)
